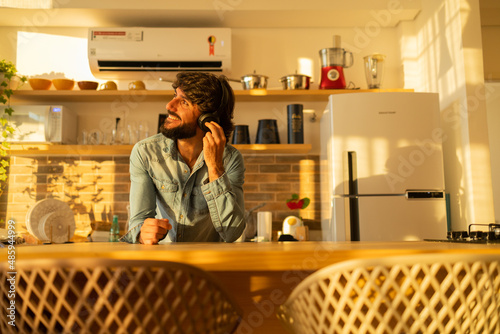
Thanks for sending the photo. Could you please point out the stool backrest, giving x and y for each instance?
(115, 296)
(430, 293)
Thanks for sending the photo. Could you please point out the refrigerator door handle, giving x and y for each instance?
(424, 194)
(352, 184)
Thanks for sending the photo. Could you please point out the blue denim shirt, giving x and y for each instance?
(163, 186)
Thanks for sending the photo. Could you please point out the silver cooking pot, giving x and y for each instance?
(296, 81)
(253, 81)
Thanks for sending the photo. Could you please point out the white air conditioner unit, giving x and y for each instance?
(157, 53)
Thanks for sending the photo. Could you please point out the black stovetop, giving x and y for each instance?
(491, 235)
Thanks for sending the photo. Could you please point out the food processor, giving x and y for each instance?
(333, 62)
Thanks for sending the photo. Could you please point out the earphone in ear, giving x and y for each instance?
(214, 116)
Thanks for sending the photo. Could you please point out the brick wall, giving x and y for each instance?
(97, 187)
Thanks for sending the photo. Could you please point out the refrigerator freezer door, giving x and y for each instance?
(396, 218)
(395, 137)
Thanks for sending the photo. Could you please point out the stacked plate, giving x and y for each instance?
(51, 220)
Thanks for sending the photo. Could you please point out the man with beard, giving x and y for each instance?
(186, 183)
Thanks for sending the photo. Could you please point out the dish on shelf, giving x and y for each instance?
(40, 84)
(63, 84)
(108, 85)
(88, 85)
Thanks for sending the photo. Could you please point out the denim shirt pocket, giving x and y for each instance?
(167, 189)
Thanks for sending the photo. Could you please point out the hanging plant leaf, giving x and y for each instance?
(7, 72)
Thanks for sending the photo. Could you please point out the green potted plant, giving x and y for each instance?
(8, 83)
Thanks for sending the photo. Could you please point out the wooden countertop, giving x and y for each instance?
(273, 256)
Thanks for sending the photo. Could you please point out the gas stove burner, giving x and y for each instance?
(491, 235)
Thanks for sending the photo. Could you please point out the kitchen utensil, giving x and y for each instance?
(290, 225)
(251, 226)
(63, 84)
(108, 85)
(295, 123)
(88, 85)
(264, 226)
(83, 138)
(136, 85)
(240, 135)
(95, 137)
(40, 84)
(51, 220)
(295, 81)
(253, 81)
(333, 62)
(267, 132)
(374, 69)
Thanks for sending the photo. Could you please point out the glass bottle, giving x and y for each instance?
(114, 232)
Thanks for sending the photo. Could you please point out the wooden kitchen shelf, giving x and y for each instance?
(83, 150)
(254, 95)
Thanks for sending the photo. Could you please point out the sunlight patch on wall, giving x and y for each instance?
(305, 66)
(482, 210)
(52, 56)
(307, 186)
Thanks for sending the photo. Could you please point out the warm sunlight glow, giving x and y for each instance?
(30, 4)
(305, 66)
(307, 186)
(52, 56)
(482, 192)
(379, 155)
(258, 91)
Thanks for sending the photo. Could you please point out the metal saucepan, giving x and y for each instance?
(296, 81)
(253, 81)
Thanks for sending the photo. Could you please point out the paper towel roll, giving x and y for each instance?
(264, 225)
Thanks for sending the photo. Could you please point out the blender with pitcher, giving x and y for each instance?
(333, 62)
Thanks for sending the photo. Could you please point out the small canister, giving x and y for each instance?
(267, 132)
(295, 123)
(240, 135)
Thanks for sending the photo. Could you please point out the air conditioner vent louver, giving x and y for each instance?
(164, 66)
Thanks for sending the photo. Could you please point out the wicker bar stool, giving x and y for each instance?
(115, 296)
(430, 293)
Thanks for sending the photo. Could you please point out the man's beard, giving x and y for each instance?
(180, 132)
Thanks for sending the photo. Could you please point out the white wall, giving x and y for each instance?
(445, 40)
(493, 110)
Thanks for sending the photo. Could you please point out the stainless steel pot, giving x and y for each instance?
(296, 81)
(253, 81)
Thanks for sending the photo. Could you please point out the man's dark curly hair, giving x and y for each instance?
(205, 91)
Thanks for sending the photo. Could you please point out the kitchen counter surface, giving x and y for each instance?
(267, 256)
(259, 275)
(271, 256)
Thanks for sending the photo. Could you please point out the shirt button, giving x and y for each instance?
(162, 187)
(185, 171)
(184, 195)
(181, 216)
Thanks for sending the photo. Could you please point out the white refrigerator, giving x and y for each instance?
(381, 166)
